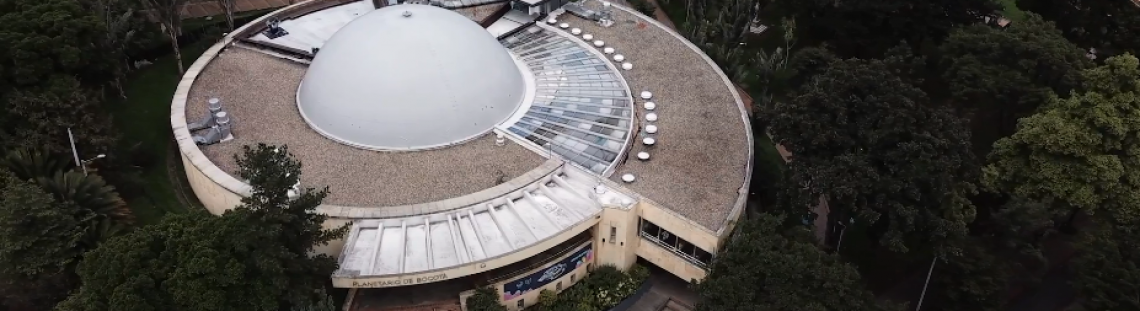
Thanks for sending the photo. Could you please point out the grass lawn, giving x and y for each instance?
(144, 119)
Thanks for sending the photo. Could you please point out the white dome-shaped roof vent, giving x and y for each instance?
(410, 77)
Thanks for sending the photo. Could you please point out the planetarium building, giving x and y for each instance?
(515, 144)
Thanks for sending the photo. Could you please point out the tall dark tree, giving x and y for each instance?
(38, 117)
(257, 256)
(169, 15)
(1078, 153)
(1110, 26)
(41, 240)
(867, 29)
(767, 268)
(869, 142)
(1107, 268)
(44, 40)
(971, 279)
(1000, 75)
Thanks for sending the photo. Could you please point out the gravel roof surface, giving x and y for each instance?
(260, 90)
(479, 13)
(701, 156)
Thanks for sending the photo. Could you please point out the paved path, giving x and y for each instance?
(668, 293)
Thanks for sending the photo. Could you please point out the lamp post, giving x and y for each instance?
(75, 153)
(926, 284)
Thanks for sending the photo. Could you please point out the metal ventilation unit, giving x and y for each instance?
(217, 124)
(273, 28)
(215, 106)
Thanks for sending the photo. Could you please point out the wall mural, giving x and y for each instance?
(536, 280)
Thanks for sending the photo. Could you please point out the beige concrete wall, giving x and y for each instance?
(669, 261)
(463, 270)
(214, 197)
(617, 250)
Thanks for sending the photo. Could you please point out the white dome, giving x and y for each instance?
(408, 77)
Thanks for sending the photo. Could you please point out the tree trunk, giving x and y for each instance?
(173, 33)
(228, 7)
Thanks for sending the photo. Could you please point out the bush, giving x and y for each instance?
(485, 299)
(644, 6)
(603, 289)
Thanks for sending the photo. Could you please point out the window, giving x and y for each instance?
(558, 287)
(522, 303)
(573, 278)
(613, 234)
(671, 242)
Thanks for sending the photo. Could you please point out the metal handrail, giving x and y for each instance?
(674, 250)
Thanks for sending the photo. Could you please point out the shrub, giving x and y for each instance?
(603, 289)
(644, 6)
(485, 299)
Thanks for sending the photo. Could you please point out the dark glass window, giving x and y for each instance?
(667, 240)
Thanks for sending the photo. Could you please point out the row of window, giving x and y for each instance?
(558, 287)
(671, 242)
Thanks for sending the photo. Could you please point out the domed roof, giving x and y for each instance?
(408, 77)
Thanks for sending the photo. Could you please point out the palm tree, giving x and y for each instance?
(89, 192)
(28, 164)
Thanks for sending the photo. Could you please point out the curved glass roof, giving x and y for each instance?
(408, 77)
(581, 109)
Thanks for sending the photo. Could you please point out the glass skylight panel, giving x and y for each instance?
(581, 109)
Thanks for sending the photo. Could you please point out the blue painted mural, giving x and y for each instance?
(536, 280)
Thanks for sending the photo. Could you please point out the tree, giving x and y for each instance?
(867, 29)
(120, 24)
(41, 240)
(325, 304)
(764, 267)
(273, 172)
(1112, 27)
(1078, 153)
(254, 257)
(485, 299)
(55, 176)
(228, 9)
(169, 15)
(869, 142)
(1000, 75)
(45, 40)
(38, 117)
(973, 279)
(1107, 268)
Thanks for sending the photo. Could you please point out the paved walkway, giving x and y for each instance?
(668, 293)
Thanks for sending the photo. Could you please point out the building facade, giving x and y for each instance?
(478, 144)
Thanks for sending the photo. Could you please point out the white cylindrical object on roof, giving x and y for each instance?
(588, 37)
(563, 25)
(608, 50)
(626, 66)
(643, 155)
(650, 106)
(576, 31)
(651, 117)
(628, 178)
(649, 141)
(646, 95)
(599, 43)
(551, 21)
(651, 129)
(619, 57)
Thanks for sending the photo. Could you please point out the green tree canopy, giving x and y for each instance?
(869, 141)
(1001, 75)
(868, 28)
(39, 116)
(48, 39)
(1107, 268)
(1080, 152)
(1110, 26)
(41, 240)
(254, 257)
(485, 299)
(766, 268)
